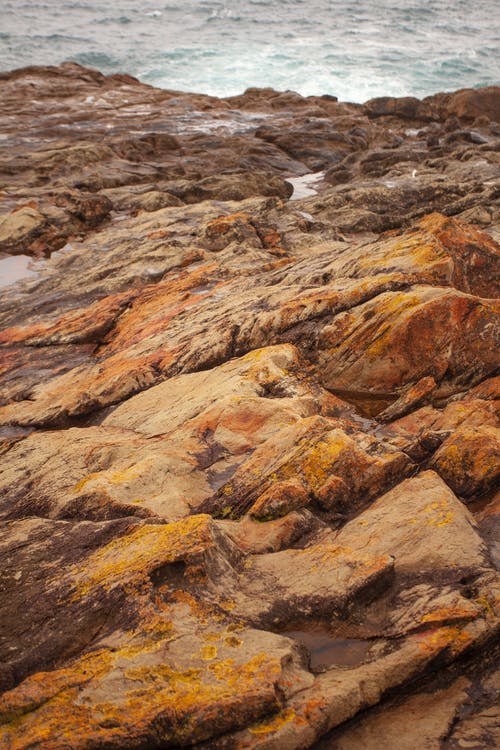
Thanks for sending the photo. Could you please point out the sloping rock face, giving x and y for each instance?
(248, 435)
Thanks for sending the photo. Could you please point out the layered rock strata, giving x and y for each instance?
(248, 418)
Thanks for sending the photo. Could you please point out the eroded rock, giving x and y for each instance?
(249, 444)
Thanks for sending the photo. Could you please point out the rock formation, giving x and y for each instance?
(248, 418)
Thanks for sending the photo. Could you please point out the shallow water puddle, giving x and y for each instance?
(16, 267)
(303, 186)
(327, 650)
(368, 404)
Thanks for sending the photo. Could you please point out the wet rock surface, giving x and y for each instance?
(248, 418)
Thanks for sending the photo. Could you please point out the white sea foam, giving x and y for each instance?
(352, 50)
(305, 185)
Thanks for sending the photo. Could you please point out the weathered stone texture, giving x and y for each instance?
(249, 440)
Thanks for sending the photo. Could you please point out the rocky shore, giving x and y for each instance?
(248, 418)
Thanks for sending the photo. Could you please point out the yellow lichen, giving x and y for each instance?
(488, 607)
(208, 652)
(274, 723)
(141, 551)
(114, 477)
(51, 709)
(81, 484)
(318, 461)
(439, 512)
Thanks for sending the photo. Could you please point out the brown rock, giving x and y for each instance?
(409, 400)
(174, 668)
(207, 342)
(232, 187)
(255, 537)
(420, 721)
(90, 209)
(334, 495)
(436, 332)
(427, 528)
(278, 500)
(153, 200)
(20, 229)
(172, 446)
(406, 107)
(312, 450)
(469, 104)
(469, 460)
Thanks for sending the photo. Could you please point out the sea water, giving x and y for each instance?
(352, 49)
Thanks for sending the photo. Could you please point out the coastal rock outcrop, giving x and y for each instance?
(248, 418)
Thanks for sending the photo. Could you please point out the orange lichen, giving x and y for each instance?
(466, 611)
(452, 638)
(223, 224)
(75, 324)
(155, 307)
(43, 686)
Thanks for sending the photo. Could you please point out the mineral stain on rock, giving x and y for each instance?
(249, 440)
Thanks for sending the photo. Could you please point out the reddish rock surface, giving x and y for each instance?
(249, 436)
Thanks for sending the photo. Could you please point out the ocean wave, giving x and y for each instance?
(60, 38)
(115, 19)
(352, 50)
(95, 59)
